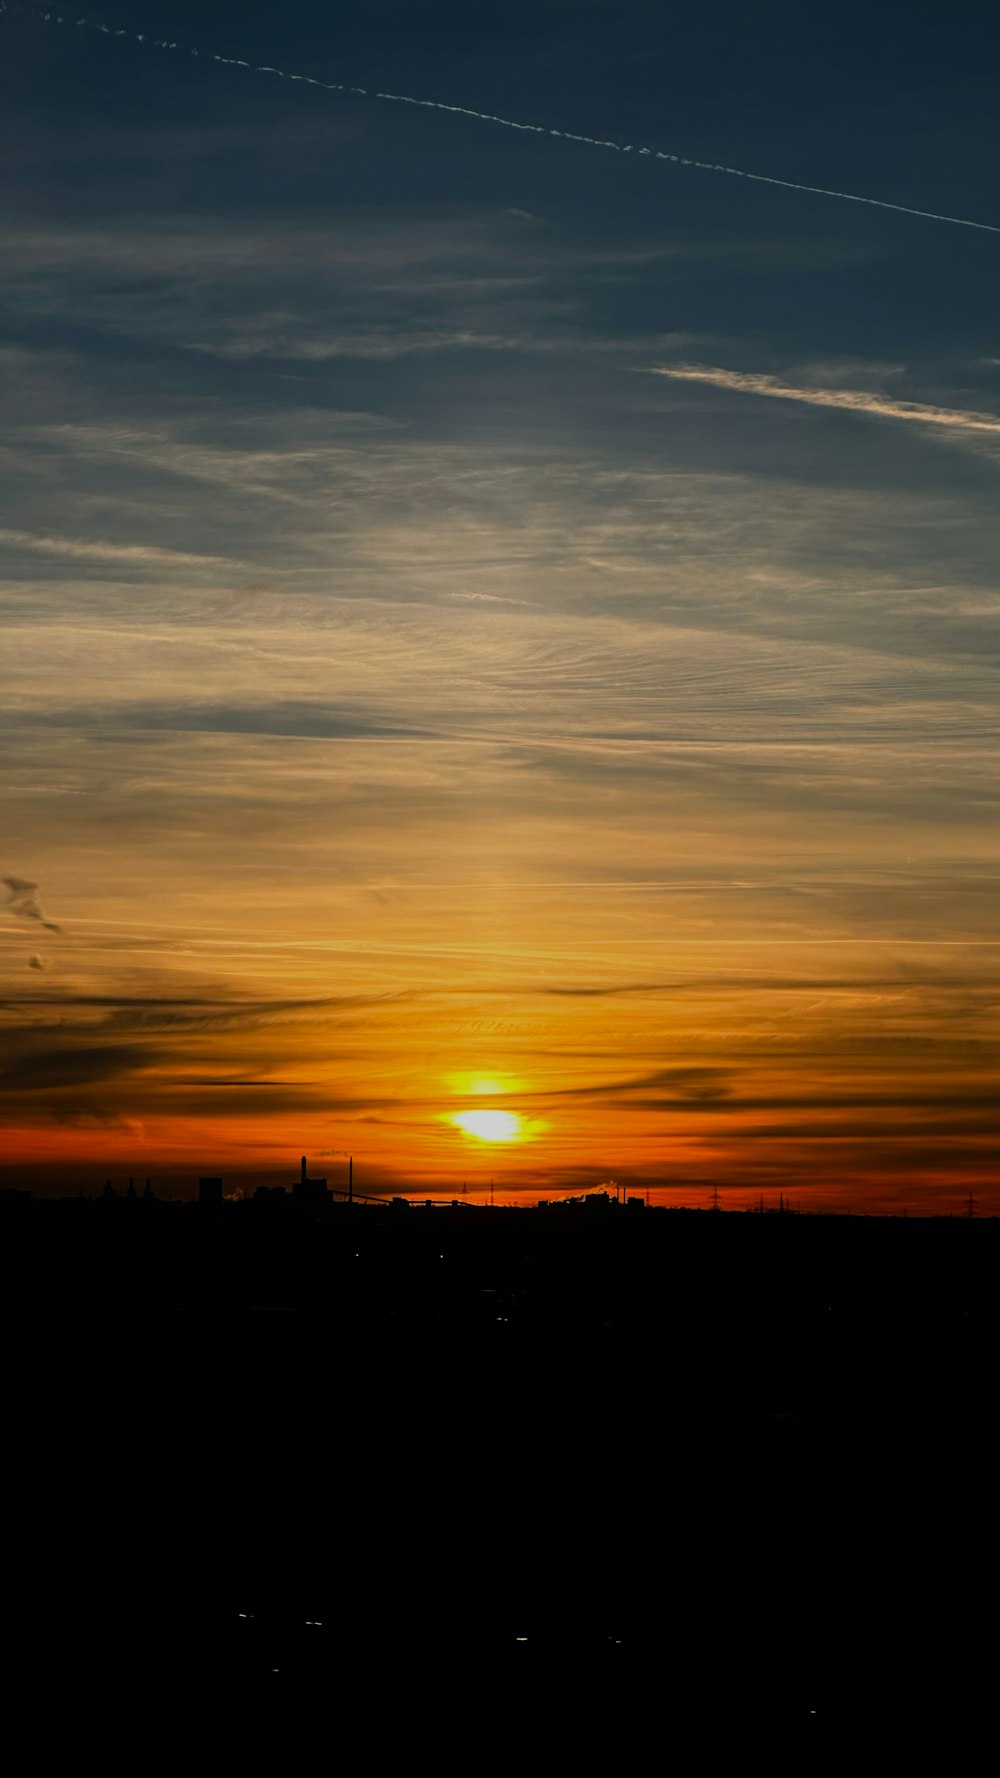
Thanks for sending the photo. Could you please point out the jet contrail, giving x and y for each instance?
(507, 123)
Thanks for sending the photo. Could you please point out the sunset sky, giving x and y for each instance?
(493, 624)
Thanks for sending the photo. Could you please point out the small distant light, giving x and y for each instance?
(520, 1638)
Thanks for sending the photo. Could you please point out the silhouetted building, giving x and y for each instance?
(311, 1192)
(272, 1201)
(12, 1198)
(210, 1193)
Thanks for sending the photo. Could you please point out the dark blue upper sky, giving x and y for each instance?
(892, 101)
(179, 226)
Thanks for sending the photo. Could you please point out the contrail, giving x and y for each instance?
(506, 123)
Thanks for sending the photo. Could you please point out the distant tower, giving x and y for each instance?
(350, 1179)
(309, 1193)
(715, 1197)
(970, 1208)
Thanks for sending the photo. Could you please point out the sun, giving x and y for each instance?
(489, 1126)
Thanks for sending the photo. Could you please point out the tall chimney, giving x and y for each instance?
(350, 1180)
(303, 1169)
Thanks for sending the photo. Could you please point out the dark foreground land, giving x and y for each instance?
(717, 1455)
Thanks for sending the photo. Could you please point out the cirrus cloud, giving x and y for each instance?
(857, 401)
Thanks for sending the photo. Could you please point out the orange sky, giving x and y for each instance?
(763, 1025)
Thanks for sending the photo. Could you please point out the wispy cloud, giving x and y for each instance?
(857, 401)
(320, 720)
(41, 1070)
(388, 343)
(23, 903)
(81, 549)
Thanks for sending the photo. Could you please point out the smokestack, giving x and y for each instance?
(303, 1169)
(350, 1179)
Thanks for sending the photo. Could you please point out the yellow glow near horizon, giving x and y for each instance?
(489, 1086)
(489, 1126)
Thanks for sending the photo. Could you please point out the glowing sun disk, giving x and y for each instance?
(489, 1126)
